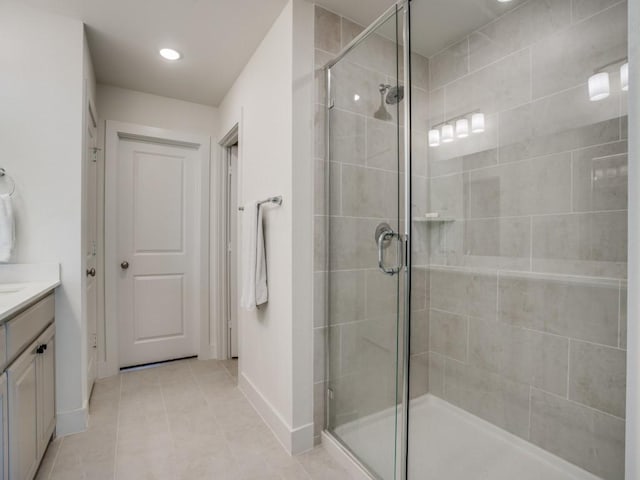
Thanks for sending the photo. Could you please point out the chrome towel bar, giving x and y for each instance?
(275, 200)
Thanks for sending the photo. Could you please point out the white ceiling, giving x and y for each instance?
(216, 38)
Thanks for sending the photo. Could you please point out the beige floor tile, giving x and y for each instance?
(186, 420)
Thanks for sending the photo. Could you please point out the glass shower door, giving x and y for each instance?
(364, 270)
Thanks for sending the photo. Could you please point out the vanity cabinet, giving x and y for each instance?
(30, 380)
(4, 429)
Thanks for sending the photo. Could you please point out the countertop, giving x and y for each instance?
(22, 284)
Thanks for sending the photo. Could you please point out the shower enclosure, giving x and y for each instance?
(476, 240)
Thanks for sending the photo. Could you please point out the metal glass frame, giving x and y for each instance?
(400, 8)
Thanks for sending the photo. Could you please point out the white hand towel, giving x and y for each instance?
(262, 292)
(7, 228)
(248, 252)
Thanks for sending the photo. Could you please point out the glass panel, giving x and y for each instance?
(519, 239)
(364, 303)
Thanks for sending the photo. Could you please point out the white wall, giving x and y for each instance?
(276, 377)
(41, 113)
(129, 106)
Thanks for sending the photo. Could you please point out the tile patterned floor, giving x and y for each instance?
(183, 420)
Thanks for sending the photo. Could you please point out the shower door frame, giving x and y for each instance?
(402, 7)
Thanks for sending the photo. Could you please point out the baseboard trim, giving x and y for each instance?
(294, 440)
(75, 421)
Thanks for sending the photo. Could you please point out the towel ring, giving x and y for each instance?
(4, 174)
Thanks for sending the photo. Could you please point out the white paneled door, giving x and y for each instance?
(157, 249)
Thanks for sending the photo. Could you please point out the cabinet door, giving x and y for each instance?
(4, 429)
(46, 374)
(23, 404)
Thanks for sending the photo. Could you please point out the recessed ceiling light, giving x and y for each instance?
(170, 54)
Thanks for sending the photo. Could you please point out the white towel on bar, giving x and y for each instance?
(7, 228)
(254, 267)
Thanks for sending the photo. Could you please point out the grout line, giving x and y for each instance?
(530, 413)
(115, 453)
(568, 366)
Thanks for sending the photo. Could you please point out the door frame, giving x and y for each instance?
(108, 363)
(219, 234)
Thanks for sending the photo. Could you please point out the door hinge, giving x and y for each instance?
(94, 154)
(94, 340)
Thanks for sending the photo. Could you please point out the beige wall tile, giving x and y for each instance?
(327, 30)
(600, 178)
(521, 355)
(449, 64)
(517, 29)
(580, 308)
(568, 58)
(464, 292)
(448, 334)
(537, 186)
(598, 377)
(489, 396)
(581, 435)
(497, 87)
(585, 244)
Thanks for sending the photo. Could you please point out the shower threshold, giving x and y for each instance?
(449, 443)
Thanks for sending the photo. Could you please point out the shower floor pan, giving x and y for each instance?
(448, 443)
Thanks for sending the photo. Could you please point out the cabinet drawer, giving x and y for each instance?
(24, 328)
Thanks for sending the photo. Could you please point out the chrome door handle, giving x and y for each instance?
(91, 272)
(382, 238)
(124, 265)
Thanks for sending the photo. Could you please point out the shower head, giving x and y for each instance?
(395, 95)
(381, 113)
(391, 96)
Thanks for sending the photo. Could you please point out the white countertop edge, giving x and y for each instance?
(33, 282)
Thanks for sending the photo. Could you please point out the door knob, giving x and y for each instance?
(124, 265)
(91, 272)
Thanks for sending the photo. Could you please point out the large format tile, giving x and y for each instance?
(517, 29)
(327, 30)
(528, 357)
(581, 435)
(536, 186)
(600, 178)
(492, 397)
(450, 64)
(448, 334)
(598, 377)
(592, 244)
(568, 58)
(464, 292)
(368, 192)
(497, 87)
(348, 141)
(580, 308)
(560, 122)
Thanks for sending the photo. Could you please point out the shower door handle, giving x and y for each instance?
(384, 237)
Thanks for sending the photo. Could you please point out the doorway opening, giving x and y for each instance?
(232, 274)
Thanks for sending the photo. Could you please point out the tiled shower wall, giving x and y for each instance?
(528, 282)
(519, 299)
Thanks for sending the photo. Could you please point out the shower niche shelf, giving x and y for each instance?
(436, 220)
